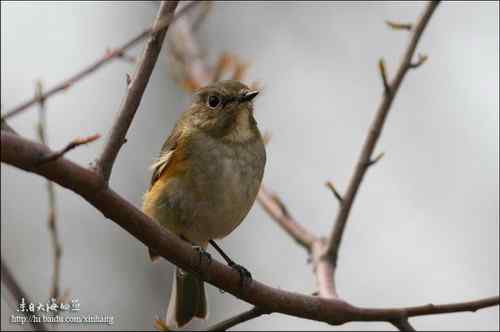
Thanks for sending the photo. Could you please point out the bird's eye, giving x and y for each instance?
(213, 101)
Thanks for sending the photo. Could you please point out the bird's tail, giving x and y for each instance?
(187, 299)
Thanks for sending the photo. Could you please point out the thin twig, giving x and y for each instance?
(136, 89)
(107, 57)
(375, 160)
(436, 309)
(383, 75)
(51, 219)
(278, 211)
(374, 134)
(18, 294)
(238, 319)
(422, 58)
(399, 26)
(121, 55)
(337, 195)
(70, 146)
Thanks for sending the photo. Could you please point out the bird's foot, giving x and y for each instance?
(245, 276)
(202, 253)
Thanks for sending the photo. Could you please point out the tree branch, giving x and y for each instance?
(135, 90)
(51, 219)
(70, 146)
(18, 293)
(364, 160)
(383, 75)
(422, 58)
(238, 319)
(403, 325)
(278, 211)
(335, 192)
(5, 126)
(399, 26)
(24, 154)
(324, 270)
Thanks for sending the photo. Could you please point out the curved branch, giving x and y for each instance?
(24, 154)
(365, 161)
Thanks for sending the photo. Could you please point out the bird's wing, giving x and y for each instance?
(167, 151)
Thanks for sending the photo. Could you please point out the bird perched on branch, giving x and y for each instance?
(205, 181)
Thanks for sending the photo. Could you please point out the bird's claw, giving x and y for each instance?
(202, 253)
(245, 276)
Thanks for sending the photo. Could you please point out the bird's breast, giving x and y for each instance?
(225, 179)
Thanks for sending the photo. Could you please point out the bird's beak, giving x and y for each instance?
(248, 96)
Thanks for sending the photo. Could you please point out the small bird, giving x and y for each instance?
(205, 181)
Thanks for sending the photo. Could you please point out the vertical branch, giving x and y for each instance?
(136, 89)
(324, 270)
(53, 229)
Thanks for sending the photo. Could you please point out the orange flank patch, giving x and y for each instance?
(176, 166)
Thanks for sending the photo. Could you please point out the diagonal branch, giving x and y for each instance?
(238, 319)
(278, 211)
(24, 154)
(5, 126)
(18, 293)
(335, 192)
(365, 160)
(136, 89)
(70, 146)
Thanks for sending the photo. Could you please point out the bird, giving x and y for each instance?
(205, 181)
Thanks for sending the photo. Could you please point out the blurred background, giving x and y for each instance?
(424, 227)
